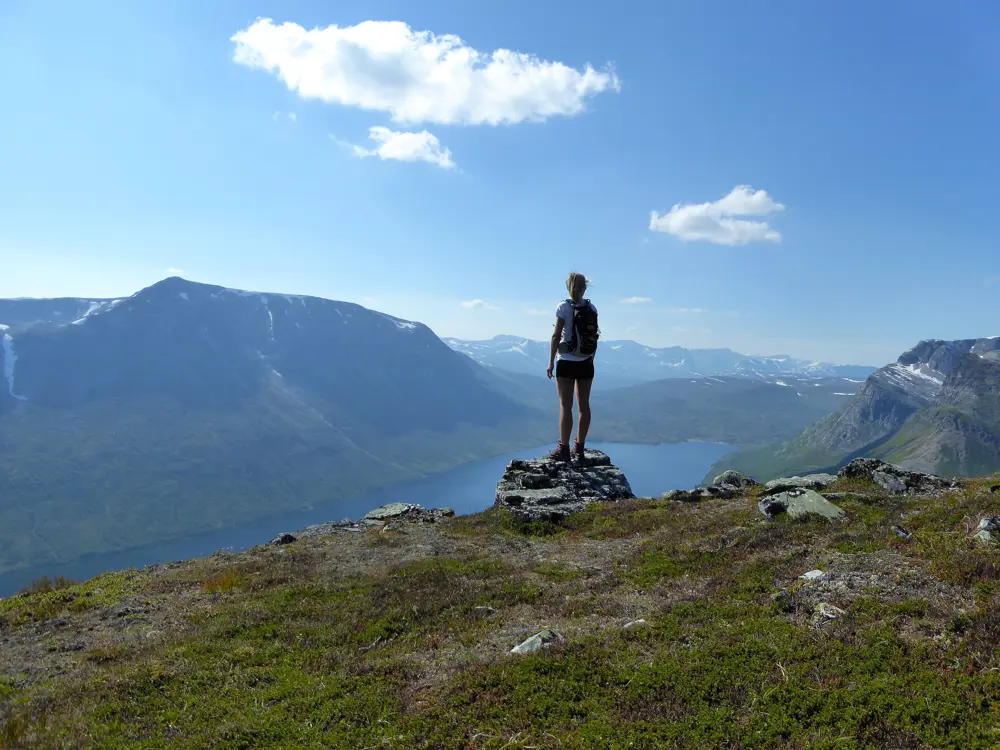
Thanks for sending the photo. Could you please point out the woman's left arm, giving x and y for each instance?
(554, 345)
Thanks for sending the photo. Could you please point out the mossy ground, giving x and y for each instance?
(400, 639)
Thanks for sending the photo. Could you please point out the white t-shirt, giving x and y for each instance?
(565, 311)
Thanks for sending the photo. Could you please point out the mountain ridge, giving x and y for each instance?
(626, 362)
(935, 409)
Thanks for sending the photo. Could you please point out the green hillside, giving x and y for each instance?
(400, 637)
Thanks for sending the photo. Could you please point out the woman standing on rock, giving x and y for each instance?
(571, 357)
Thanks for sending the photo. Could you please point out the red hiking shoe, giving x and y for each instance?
(559, 453)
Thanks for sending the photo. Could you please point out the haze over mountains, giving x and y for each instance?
(188, 407)
(628, 363)
(936, 409)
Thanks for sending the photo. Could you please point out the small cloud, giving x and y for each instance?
(175, 272)
(422, 146)
(275, 115)
(635, 300)
(688, 310)
(478, 304)
(293, 117)
(713, 222)
(686, 329)
(536, 311)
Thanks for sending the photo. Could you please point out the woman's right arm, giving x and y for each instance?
(554, 345)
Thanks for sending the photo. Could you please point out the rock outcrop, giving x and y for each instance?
(797, 503)
(547, 489)
(895, 480)
(377, 518)
(727, 485)
(537, 642)
(988, 526)
(808, 482)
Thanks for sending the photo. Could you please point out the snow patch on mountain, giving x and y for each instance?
(403, 325)
(96, 307)
(9, 360)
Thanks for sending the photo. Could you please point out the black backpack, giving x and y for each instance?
(585, 329)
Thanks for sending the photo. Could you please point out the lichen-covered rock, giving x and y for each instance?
(386, 514)
(547, 489)
(728, 484)
(408, 512)
(698, 494)
(808, 482)
(895, 480)
(988, 526)
(824, 613)
(797, 503)
(736, 479)
(902, 533)
(537, 642)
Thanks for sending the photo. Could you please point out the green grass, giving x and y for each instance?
(415, 654)
(46, 600)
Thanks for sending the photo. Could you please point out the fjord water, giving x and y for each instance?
(651, 470)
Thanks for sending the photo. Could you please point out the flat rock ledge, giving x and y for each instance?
(728, 484)
(894, 480)
(808, 482)
(544, 489)
(378, 518)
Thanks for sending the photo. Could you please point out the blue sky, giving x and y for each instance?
(145, 136)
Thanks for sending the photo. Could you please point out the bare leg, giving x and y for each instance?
(583, 401)
(565, 386)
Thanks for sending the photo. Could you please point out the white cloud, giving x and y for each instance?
(713, 222)
(537, 311)
(175, 272)
(688, 310)
(417, 76)
(635, 300)
(478, 304)
(421, 146)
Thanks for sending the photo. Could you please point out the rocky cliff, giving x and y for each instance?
(934, 409)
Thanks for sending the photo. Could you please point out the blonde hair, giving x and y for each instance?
(576, 285)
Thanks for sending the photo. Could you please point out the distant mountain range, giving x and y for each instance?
(628, 363)
(936, 409)
(188, 407)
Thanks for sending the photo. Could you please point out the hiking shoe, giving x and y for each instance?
(579, 452)
(560, 453)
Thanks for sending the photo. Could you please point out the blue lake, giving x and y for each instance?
(651, 470)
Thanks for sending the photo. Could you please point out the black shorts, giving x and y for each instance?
(575, 370)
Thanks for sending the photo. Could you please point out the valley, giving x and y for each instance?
(189, 408)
